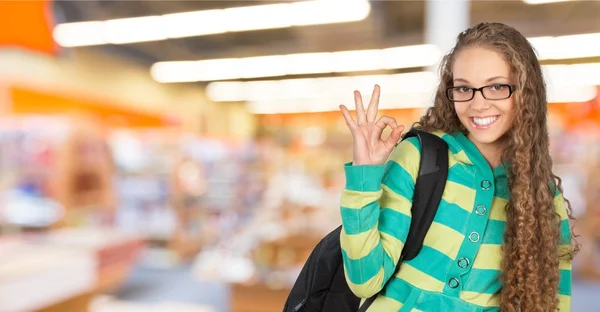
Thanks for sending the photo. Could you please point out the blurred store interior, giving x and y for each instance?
(186, 156)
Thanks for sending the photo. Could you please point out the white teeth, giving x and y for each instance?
(484, 121)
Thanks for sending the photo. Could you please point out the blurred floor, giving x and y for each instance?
(110, 304)
(159, 286)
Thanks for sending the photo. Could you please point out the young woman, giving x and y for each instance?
(501, 238)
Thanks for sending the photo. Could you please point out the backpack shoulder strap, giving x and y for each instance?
(429, 187)
(433, 172)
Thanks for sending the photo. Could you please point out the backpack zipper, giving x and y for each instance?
(301, 306)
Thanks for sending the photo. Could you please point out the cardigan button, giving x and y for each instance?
(480, 210)
(453, 282)
(463, 263)
(486, 185)
(474, 237)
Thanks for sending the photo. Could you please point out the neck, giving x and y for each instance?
(492, 152)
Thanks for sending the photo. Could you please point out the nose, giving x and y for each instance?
(479, 103)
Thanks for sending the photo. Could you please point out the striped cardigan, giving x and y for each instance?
(459, 266)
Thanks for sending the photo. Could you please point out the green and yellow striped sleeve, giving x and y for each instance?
(375, 209)
(565, 246)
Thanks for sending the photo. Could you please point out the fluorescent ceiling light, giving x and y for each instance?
(548, 48)
(319, 87)
(565, 83)
(325, 94)
(295, 64)
(544, 1)
(572, 75)
(199, 23)
(567, 47)
(575, 94)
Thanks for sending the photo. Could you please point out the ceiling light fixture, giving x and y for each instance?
(548, 48)
(565, 83)
(545, 1)
(295, 64)
(209, 22)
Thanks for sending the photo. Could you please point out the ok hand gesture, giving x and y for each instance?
(368, 146)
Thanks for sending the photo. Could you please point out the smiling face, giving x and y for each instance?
(486, 120)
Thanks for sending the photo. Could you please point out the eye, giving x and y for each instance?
(462, 89)
(497, 87)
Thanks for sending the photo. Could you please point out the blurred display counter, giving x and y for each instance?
(62, 270)
(257, 298)
(261, 277)
(37, 276)
(283, 254)
(278, 264)
(116, 252)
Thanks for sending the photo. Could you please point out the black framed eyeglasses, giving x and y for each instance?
(495, 91)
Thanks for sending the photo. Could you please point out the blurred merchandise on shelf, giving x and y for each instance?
(180, 190)
(55, 171)
(575, 149)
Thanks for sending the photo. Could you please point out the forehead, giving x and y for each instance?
(476, 65)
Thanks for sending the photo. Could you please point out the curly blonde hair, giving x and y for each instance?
(530, 264)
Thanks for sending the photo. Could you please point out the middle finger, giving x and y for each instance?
(373, 104)
(361, 117)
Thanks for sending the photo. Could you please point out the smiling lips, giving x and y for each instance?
(483, 122)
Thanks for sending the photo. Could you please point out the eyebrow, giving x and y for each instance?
(487, 80)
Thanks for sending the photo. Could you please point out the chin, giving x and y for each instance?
(486, 138)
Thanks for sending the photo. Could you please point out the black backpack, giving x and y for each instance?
(321, 285)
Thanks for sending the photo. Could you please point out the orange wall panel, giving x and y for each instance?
(26, 101)
(403, 116)
(27, 24)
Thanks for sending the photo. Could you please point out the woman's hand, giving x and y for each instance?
(368, 146)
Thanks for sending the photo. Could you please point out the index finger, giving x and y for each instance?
(373, 104)
(348, 118)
